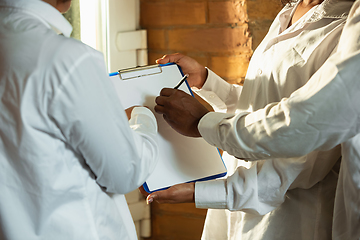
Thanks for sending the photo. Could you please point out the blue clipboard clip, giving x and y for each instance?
(140, 71)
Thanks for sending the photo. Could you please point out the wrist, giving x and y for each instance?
(202, 111)
(203, 77)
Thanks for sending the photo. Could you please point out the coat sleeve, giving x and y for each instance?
(317, 117)
(86, 110)
(221, 95)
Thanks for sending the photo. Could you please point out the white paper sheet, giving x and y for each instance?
(182, 159)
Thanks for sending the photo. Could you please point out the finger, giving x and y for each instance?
(180, 193)
(160, 109)
(161, 100)
(167, 92)
(175, 58)
(163, 60)
(149, 199)
(160, 197)
(143, 192)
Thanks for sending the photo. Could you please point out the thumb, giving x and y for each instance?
(163, 60)
(181, 193)
(160, 197)
(150, 198)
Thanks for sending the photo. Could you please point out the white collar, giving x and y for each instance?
(50, 16)
(338, 9)
(332, 9)
(326, 9)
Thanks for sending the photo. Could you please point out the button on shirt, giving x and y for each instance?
(320, 115)
(284, 61)
(67, 153)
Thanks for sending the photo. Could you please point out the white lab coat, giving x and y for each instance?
(283, 62)
(322, 114)
(67, 153)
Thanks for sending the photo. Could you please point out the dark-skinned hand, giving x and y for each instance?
(180, 193)
(181, 111)
(197, 72)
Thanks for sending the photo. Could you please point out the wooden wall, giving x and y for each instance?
(176, 222)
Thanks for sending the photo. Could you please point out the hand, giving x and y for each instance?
(128, 111)
(197, 72)
(181, 111)
(181, 193)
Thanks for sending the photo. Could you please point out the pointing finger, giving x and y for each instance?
(160, 100)
(159, 109)
(167, 92)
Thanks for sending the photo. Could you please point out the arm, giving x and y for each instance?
(257, 190)
(93, 123)
(263, 187)
(321, 115)
(221, 95)
(318, 116)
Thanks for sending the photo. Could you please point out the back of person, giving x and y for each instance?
(57, 115)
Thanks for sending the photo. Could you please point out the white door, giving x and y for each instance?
(112, 27)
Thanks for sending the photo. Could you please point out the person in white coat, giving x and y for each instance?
(301, 189)
(68, 152)
(323, 113)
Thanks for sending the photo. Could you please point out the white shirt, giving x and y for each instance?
(283, 62)
(67, 153)
(318, 116)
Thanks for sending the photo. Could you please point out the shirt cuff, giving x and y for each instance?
(211, 194)
(217, 85)
(143, 116)
(223, 130)
(210, 97)
(209, 127)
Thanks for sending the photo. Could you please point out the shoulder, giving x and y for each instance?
(61, 54)
(69, 49)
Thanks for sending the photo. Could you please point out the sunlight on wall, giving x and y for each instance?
(88, 22)
(93, 24)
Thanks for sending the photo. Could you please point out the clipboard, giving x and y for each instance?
(181, 159)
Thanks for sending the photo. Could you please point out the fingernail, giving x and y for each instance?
(149, 200)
